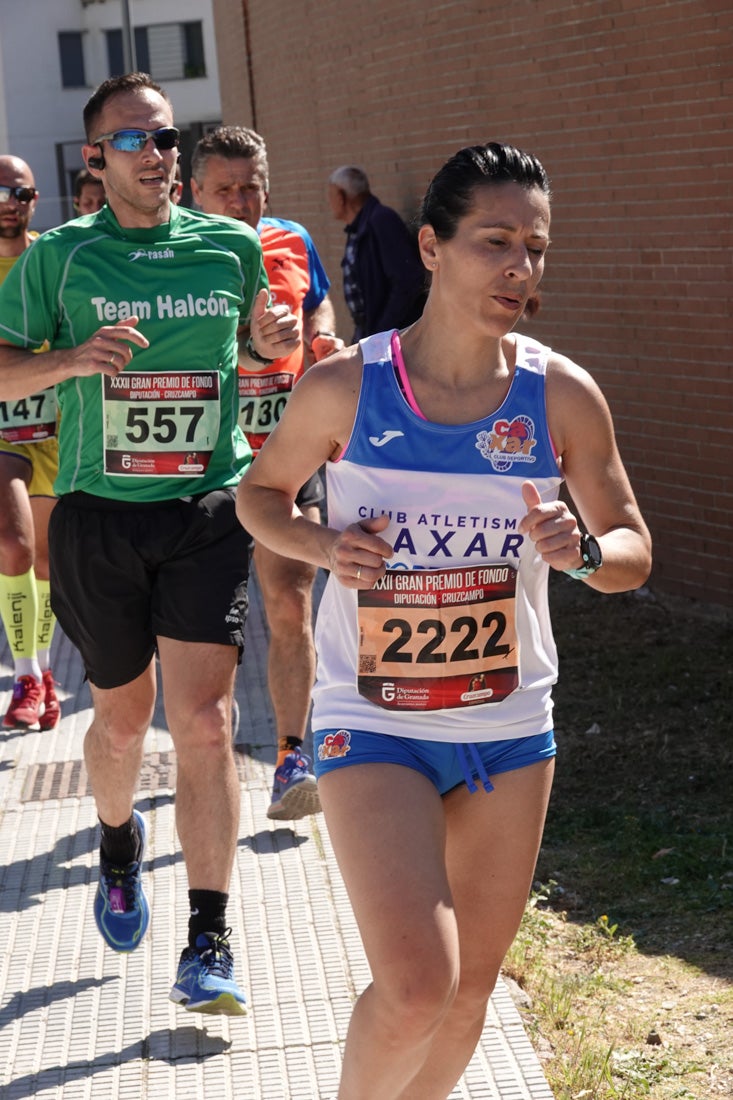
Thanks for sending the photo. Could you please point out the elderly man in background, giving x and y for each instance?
(384, 281)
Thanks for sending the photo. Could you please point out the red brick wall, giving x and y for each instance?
(627, 103)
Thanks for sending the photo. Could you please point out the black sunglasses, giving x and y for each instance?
(22, 194)
(134, 141)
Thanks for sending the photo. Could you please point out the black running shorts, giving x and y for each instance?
(123, 573)
(312, 493)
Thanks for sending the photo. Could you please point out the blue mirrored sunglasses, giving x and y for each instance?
(134, 141)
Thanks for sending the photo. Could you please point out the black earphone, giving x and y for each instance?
(96, 162)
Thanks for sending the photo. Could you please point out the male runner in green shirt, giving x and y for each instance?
(144, 304)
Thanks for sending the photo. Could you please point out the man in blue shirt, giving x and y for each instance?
(384, 281)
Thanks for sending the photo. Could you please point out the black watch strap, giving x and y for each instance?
(590, 552)
(254, 354)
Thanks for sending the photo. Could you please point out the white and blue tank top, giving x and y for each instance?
(455, 643)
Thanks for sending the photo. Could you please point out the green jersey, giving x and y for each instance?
(166, 426)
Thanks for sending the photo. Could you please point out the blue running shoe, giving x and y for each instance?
(294, 791)
(205, 980)
(121, 909)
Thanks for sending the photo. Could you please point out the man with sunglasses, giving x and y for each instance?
(28, 466)
(144, 304)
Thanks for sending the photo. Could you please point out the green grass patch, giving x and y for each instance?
(626, 947)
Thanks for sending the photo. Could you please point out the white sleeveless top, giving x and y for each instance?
(455, 644)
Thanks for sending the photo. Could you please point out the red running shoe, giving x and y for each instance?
(51, 715)
(25, 705)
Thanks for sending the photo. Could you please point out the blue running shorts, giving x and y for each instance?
(446, 764)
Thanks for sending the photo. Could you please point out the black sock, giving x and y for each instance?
(288, 744)
(121, 844)
(208, 913)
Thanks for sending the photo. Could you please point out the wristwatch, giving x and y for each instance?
(592, 557)
(254, 354)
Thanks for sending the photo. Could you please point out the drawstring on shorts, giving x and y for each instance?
(462, 752)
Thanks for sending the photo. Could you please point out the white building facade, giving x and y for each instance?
(53, 53)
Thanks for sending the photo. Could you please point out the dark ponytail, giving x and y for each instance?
(450, 194)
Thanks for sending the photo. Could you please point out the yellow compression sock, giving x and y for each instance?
(45, 622)
(19, 611)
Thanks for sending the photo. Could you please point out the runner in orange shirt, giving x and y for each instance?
(230, 176)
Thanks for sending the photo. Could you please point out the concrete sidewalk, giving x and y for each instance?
(79, 1021)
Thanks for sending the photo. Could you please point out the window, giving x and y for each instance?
(71, 54)
(115, 53)
(168, 51)
(195, 63)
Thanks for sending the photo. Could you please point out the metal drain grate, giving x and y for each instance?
(69, 779)
(58, 780)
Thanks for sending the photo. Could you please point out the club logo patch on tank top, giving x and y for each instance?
(509, 441)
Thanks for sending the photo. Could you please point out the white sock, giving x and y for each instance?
(27, 666)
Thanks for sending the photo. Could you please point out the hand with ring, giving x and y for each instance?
(360, 541)
(110, 343)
